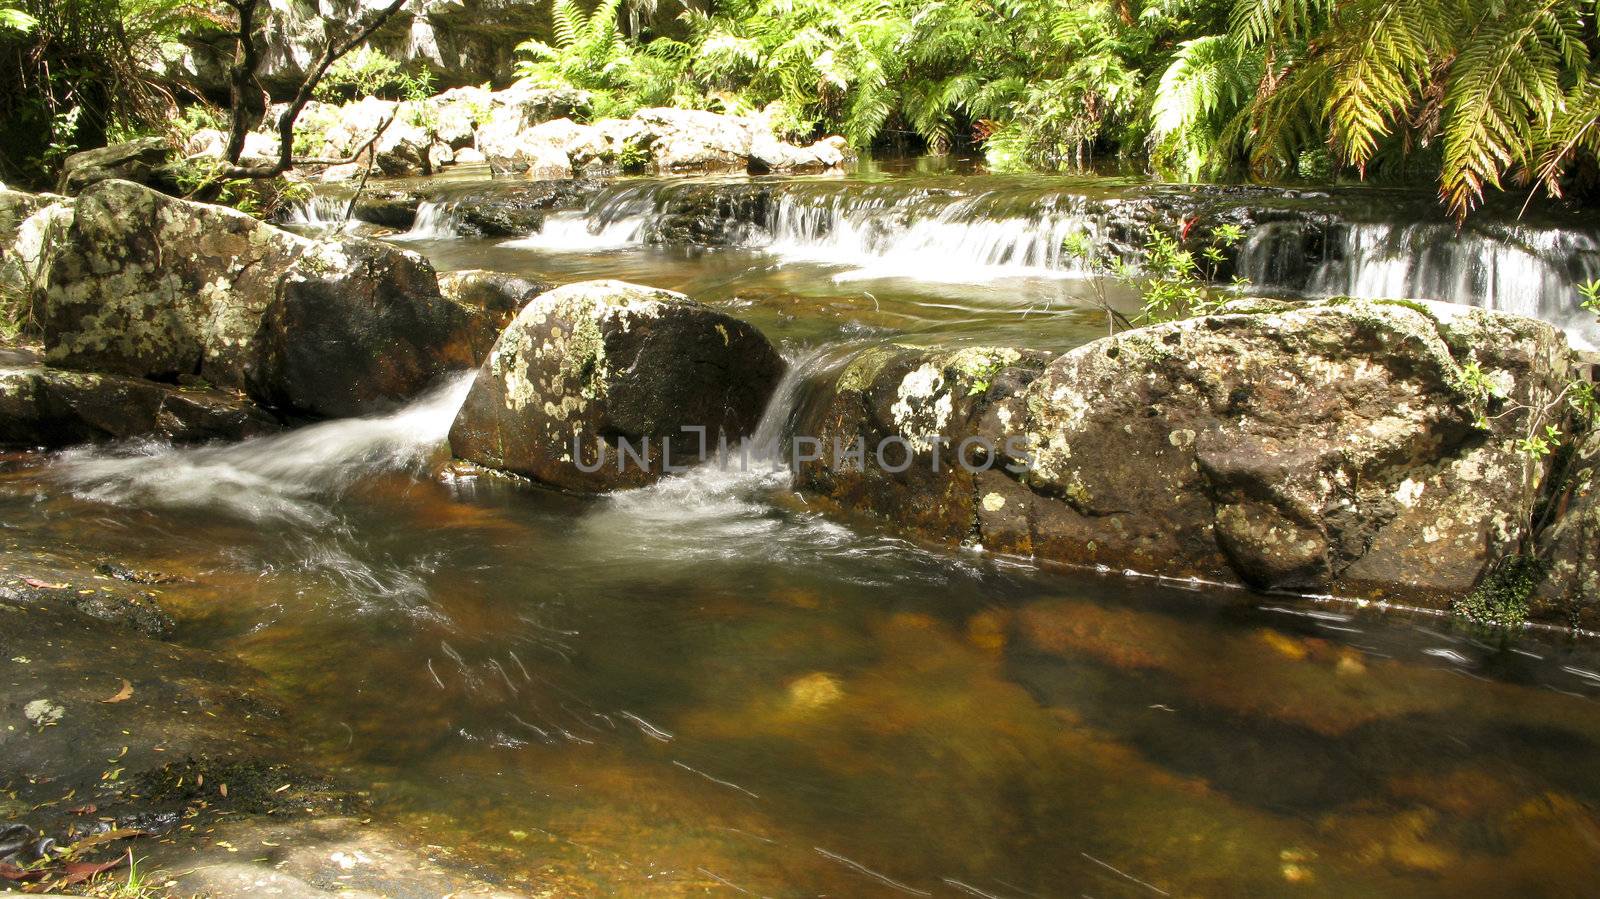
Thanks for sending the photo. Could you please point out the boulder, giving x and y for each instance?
(494, 299)
(149, 286)
(500, 295)
(768, 154)
(28, 225)
(683, 140)
(42, 407)
(144, 161)
(593, 365)
(1364, 448)
(877, 422)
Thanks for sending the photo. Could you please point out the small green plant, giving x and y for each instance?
(634, 157)
(1501, 598)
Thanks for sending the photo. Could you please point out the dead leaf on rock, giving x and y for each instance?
(42, 585)
(124, 694)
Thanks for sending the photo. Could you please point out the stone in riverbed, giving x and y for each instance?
(1333, 447)
(600, 362)
(51, 408)
(494, 298)
(148, 286)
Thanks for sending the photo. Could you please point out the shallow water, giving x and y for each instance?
(708, 688)
(705, 687)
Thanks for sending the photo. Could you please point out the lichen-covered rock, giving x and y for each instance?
(357, 326)
(1367, 448)
(149, 286)
(694, 140)
(29, 224)
(499, 294)
(594, 364)
(909, 434)
(768, 154)
(52, 408)
(494, 298)
(145, 161)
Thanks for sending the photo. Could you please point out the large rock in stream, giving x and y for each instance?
(1367, 448)
(148, 286)
(595, 364)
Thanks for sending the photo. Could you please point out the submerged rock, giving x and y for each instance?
(148, 286)
(602, 363)
(1362, 447)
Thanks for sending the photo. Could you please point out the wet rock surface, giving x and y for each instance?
(51, 407)
(602, 362)
(148, 286)
(494, 299)
(1366, 448)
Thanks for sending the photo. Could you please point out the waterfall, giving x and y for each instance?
(1522, 269)
(323, 213)
(929, 238)
(284, 477)
(577, 232)
(436, 220)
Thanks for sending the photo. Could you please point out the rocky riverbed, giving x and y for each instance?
(1378, 451)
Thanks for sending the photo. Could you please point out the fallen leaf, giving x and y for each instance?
(223, 790)
(42, 585)
(109, 836)
(89, 809)
(77, 872)
(12, 872)
(124, 694)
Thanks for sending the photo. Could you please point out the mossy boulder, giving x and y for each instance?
(590, 365)
(146, 160)
(144, 285)
(493, 298)
(1364, 448)
(929, 425)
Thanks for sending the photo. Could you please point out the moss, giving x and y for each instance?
(863, 370)
(1501, 598)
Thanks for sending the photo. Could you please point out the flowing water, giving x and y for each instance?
(707, 687)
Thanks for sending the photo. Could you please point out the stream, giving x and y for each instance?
(709, 687)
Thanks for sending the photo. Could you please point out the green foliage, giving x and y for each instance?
(1175, 282)
(590, 52)
(75, 72)
(1495, 91)
(1501, 599)
(259, 197)
(368, 72)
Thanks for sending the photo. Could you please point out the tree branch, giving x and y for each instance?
(331, 53)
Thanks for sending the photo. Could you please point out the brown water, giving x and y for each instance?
(707, 688)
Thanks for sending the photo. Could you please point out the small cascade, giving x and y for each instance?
(577, 232)
(436, 220)
(284, 477)
(322, 213)
(932, 238)
(1522, 269)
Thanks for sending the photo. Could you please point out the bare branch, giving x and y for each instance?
(331, 53)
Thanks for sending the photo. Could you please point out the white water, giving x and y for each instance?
(322, 213)
(1520, 269)
(577, 232)
(286, 477)
(434, 221)
(951, 243)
